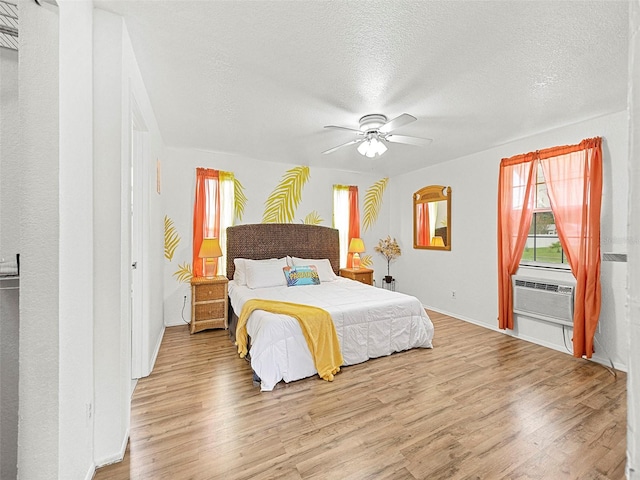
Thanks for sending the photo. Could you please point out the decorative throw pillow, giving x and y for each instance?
(325, 272)
(304, 275)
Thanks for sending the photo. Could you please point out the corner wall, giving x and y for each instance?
(470, 268)
(76, 400)
(633, 309)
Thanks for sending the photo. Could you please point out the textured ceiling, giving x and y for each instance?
(261, 78)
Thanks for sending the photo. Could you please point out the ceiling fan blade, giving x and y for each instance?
(331, 150)
(345, 128)
(420, 142)
(397, 122)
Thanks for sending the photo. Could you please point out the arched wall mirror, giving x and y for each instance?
(432, 218)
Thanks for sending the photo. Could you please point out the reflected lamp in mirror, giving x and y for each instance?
(437, 242)
(356, 246)
(210, 250)
(432, 218)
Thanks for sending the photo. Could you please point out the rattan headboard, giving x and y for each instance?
(275, 240)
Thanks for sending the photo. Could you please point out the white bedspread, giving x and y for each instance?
(370, 322)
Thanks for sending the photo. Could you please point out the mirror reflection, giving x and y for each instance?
(432, 218)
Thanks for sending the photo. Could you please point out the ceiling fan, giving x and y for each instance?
(375, 130)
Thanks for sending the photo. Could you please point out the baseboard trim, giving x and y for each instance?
(118, 457)
(91, 472)
(595, 358)
(156, 351)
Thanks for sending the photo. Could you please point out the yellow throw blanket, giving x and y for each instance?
(317, 327)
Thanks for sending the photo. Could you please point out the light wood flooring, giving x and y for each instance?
(479, 405)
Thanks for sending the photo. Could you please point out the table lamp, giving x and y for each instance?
(356, 247)
(210, 250)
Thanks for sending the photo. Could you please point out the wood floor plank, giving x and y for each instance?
(479, 405)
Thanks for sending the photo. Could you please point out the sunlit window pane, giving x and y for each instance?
(543, 243)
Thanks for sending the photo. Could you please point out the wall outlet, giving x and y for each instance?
(453, 294)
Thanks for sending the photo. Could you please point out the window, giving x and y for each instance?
(213, 213)
(572, 181)
(346, 218)
(543, 243)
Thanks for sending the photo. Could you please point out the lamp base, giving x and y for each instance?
(356, 261)
(210, 268)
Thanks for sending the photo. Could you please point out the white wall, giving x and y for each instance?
(38, 454)
(258, 178)
(633, 298)
(116, 81)
(470, 268)
(9, 246)
(76, 241)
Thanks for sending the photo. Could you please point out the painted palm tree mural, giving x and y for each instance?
(366, 261)
(373, 203)
(281, 205)
(171, 238)
(183, 274)
(239, 199)
(313, 218)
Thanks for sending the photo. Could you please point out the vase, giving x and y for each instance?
(388, 278)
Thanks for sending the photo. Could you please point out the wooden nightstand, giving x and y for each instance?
(364, 275)
(208, 303)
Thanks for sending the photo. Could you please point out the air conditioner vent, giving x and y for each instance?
(543, 299)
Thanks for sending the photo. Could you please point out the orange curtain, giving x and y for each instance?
(573, 175)
(423, 234)
(206, 214)
(515, 208)
(354, 220)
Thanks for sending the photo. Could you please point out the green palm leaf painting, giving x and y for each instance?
(281, 205)
(171, 238)
(183, 274)
(366, 261)
(240, 199)
(373, 202)
(313, 219)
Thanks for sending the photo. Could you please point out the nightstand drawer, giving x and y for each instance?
(204, 293)
(363, 275)
(205, 311)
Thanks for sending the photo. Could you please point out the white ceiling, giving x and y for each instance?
(260, 79)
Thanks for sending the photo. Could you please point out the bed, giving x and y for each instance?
(370, 322)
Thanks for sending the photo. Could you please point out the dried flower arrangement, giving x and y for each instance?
(390, 249)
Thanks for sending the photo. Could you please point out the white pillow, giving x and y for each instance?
(240, 274)
(265, 273)
(325, 272)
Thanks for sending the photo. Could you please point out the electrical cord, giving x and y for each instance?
(184, 304)
(611, 369)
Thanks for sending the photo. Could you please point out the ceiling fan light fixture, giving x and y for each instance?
(380, 147)
(375, 131)
(363, 148)
(371, 147)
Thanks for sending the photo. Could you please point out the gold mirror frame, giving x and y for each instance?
(439, 232)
